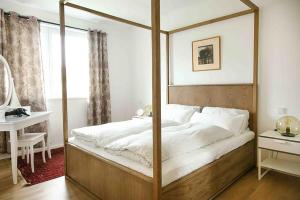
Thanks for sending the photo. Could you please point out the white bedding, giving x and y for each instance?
(176, 140)
(102, 135)
(178, 166)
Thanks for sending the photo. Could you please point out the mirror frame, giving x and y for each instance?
(10, 85)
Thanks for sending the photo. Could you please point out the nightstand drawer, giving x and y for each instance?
(279, 145)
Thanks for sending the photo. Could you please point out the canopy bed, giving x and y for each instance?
(108, 178)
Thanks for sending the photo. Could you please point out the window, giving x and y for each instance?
(77, 62)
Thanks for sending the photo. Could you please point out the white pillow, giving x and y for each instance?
(224, 110)
(178, 113)
(233, 123)
(201, 118)
(230, 111)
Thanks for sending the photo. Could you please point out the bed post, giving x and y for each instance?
(156, 98)
(255, 67)
(255, 10)
(167, 64)
(63, 77)
(255, 78)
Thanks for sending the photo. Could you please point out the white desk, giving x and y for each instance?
(13, 125)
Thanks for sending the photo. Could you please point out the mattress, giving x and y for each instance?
(178, 166)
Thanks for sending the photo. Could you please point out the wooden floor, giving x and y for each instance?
(56, 189)
(273, 186)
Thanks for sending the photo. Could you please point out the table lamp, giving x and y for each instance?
(288, 126)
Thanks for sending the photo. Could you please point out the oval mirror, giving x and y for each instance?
(5, 83)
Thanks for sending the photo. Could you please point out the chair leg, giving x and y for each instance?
(23, 153)
(48, 147)
(23, 148)
(32, 158)
(27, 154)
(44, 148)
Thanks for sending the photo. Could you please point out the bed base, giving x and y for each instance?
(111, 181)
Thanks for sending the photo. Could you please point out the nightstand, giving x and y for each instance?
(272, 141)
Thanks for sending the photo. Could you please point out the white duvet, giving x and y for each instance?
(102, 135)
(175, 140)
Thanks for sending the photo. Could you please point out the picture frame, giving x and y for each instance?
(207, 54)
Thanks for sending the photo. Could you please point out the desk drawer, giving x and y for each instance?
(279, 145)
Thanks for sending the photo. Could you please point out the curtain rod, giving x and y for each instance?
(47, 22)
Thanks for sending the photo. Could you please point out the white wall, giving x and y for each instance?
(142, 71)
(279, 61)
(121, 66)
(236, 53)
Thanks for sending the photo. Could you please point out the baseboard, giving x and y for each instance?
(36, 150)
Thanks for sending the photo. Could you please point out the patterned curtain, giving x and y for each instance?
(99, 108)
(21, 48)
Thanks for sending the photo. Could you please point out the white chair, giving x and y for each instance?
(27, 141)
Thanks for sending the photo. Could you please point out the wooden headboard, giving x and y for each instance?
(238, 96)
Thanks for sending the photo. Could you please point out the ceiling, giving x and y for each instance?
(174, 13)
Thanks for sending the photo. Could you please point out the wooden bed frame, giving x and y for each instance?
(108, 180)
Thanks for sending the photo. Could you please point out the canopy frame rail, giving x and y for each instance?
(210, 21)
(112, 17)
(156, 98)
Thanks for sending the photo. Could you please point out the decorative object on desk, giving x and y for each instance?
(28, 109)
(206, 54)
(288, 126)
(11, 100)
(19, 112)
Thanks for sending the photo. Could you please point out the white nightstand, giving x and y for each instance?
(273, 141)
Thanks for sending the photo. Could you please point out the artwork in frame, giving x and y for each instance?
(206, 54)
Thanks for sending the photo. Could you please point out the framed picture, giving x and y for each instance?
(206, 54)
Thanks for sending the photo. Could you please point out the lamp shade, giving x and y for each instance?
(288, 126)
